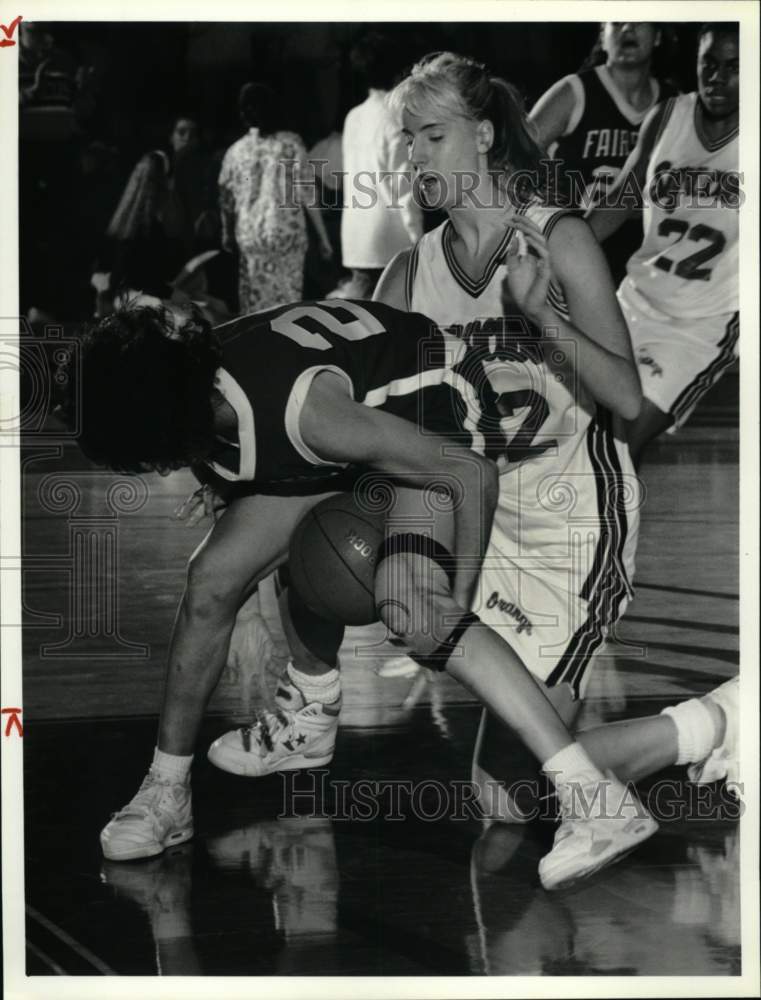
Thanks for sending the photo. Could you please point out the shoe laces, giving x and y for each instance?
(149, 796)
(266, 725)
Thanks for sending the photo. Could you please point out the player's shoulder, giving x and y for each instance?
(548, 215)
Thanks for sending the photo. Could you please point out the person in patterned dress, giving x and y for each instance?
(263, 214)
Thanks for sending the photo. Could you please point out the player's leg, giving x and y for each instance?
(413, 595)
(248, 541)
(700, 731)
(650, 424)
(301, 732)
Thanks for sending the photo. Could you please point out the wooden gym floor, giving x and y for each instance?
(395, 893)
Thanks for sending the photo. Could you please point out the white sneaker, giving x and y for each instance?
(159, 816)
(600, 821)
(296, 735)
(723, 762)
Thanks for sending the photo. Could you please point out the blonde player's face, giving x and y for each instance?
(445, 156)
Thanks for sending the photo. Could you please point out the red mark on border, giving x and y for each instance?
(13, 719)
(9, 30)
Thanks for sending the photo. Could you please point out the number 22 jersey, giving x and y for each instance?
(687, 266)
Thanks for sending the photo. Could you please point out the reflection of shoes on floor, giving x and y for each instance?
(601, 821)
(495, 848)
(160, 887)
(159, 816)
(399, 666)
(497, 805)
(723, 762)
(295, 859)
(717, 873)
(495, 801)
(295, 736)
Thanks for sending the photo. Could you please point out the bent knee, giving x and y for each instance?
(210, 585)
(424, 622)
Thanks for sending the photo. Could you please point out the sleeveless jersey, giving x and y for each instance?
(589, 158)
(687, 266)
(394, 361)
(597, 145)
(557, 438)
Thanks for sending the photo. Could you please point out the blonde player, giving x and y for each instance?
(557, 571)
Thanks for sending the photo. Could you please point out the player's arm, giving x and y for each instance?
(624, 198)
(391, 285)
(601, 352)
(604, 358)
(551, 115)
(340, 430)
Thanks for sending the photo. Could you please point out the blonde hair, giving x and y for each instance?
(453, 86)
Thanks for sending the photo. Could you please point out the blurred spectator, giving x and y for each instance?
(167, 200)
(380, 216)
(263, 207)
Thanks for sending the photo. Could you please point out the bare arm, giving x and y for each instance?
(391, 285)
(226, 206)
(624, 199)
(600, 352)
(338, 429)
(306, 192)
(604, 358)
(552, 112)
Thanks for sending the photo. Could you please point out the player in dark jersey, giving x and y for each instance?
(589, 121)
(302, 391)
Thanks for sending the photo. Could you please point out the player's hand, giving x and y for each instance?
(326, 249)
(203, 502)
(528, 270)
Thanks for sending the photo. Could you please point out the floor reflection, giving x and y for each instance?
(680, 917)
(277, 880)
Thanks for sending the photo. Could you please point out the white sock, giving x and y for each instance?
(169, 765)
(695, 730)
(322, 688)
(569, 764)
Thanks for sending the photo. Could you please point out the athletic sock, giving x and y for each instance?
(695, 730)
(570, 764)
(170, 766)
(322, 688)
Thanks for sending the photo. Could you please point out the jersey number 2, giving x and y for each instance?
(689, 267)
(331, 317)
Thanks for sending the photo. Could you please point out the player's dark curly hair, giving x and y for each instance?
(456, 85)
(142, 394)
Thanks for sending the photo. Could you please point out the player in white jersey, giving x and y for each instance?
(557, 571)
(680, 295)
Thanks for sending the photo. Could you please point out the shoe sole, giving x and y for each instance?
(147, 850)
(235, 763)
(553, 881)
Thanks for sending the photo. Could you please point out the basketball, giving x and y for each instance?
(332, 560)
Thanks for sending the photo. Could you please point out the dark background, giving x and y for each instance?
(141, 76)
(147, 72)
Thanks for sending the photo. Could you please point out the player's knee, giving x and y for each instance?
(425, 624)
(210, 587)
